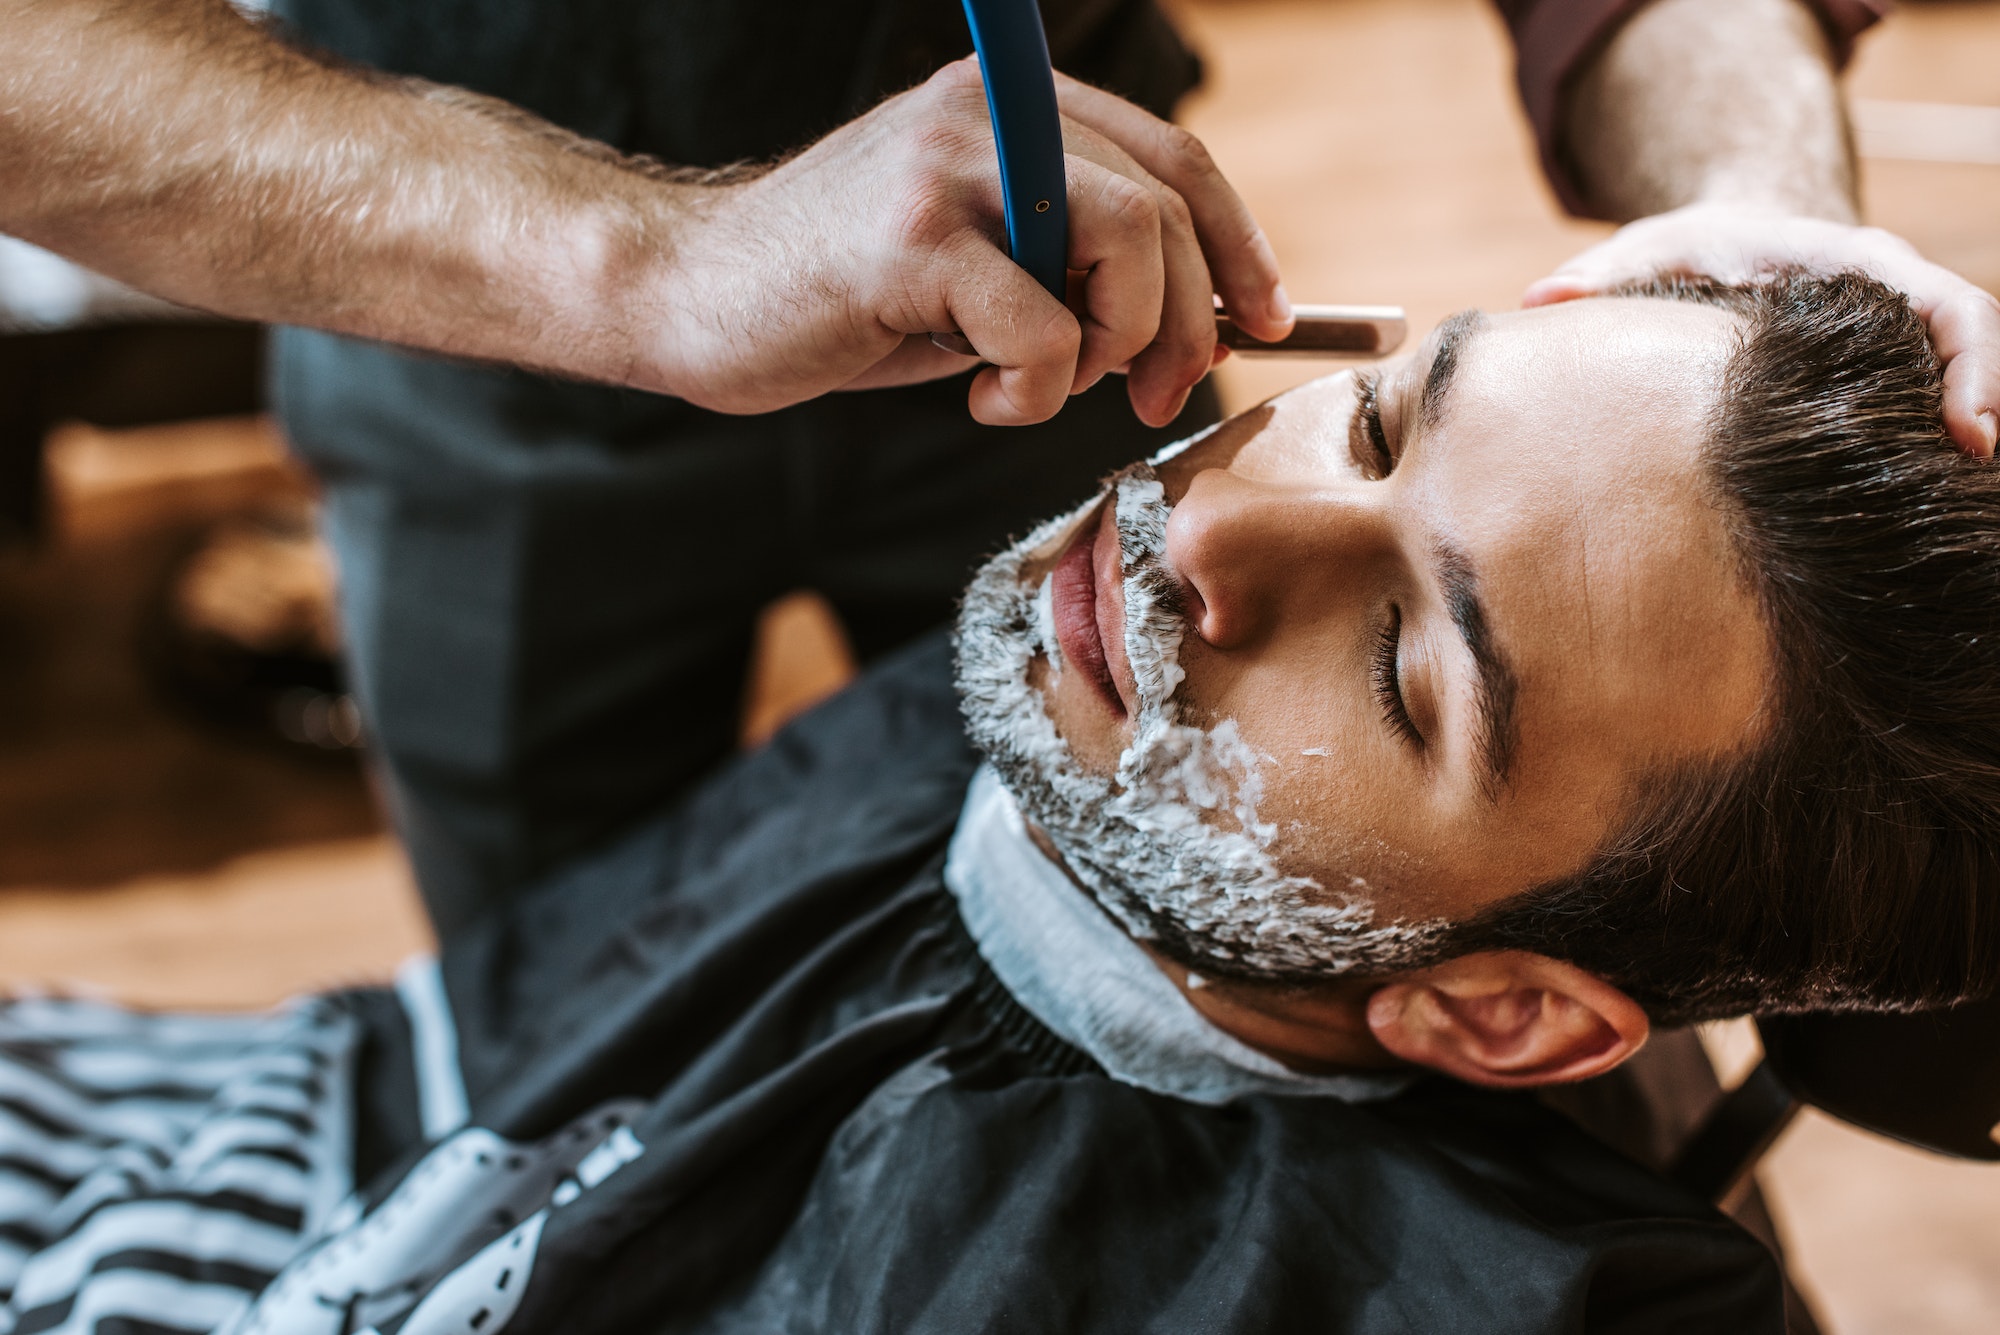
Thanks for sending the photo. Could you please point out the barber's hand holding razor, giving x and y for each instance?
(833, 269)
(178, 147)
(1734, 243)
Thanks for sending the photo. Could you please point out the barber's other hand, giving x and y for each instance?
(833, 269)
(1732, 243)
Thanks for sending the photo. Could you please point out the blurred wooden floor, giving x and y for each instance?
(147, 858)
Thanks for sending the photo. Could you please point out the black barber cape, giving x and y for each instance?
(746, 1072)
(840, 1122)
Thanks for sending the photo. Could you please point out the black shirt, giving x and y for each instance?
(703, 84)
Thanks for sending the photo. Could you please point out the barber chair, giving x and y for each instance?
(1929, 1079)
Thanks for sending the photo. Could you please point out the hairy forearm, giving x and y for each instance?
(1712, 101)
(179, 147)
(176, 146)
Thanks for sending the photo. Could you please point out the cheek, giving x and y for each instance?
(1218, 449)
(1323, 789)
(1335, 826)
(1302, 687)
(1301, 433)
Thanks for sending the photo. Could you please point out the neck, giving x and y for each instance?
(1315, 1029)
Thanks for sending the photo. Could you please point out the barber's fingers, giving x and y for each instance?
(1965, 330)
(1734, 244)
(1726, 243)
(1597, 271)
(1963, 319)
(1964, 324)
(1243, 266)
(1634, 253)
(1114, 240)
(916, 360)
(1147, 299)
(1030, 338)
(1560, 287)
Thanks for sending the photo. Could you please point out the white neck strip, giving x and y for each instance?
(1071, 967)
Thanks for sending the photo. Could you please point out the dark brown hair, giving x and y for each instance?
(1850, 859)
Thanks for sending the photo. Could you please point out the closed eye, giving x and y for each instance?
(1386, 679)
(1366, 440)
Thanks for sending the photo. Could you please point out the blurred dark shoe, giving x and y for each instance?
(244, 632)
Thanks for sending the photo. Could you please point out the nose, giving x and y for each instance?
(1245, 547)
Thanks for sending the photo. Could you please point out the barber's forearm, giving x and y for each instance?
(176, 146)
(173, 144)
(1713, 101)
(1719, 126)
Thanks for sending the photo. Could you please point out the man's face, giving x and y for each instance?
(1450, 648)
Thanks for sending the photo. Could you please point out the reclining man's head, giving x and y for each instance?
(1630, 659)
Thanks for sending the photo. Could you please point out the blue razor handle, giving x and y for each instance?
(1027, 131)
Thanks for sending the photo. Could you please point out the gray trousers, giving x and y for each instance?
(549, 590)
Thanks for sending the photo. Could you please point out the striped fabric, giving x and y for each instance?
(451, 1249)
(157, 1171)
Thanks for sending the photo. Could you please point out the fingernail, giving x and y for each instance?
(1281, 305)
(1989, 430)
(1548, 291)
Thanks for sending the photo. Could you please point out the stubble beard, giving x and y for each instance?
(1170, 845)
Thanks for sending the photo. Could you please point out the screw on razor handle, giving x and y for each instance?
(1027, 135)
(1027, 132)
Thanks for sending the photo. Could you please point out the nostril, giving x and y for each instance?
(1194, 607)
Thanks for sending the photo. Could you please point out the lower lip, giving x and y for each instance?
(1073, 605)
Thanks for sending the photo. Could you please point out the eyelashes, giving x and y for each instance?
(1369, 444)
(1387, 681)
(1366, 440)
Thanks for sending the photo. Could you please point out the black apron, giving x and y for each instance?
(549, 590)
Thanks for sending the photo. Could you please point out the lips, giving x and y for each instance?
(1077, 610)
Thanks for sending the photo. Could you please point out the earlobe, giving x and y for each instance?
(1507, 1020)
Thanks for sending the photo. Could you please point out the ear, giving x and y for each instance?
(1507, 1019)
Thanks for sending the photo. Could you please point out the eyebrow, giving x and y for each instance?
(1452, 338)
(1495, 686)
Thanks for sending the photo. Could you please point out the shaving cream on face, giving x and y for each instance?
(1171, 845)
(1183, 445)
(1045, 622)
